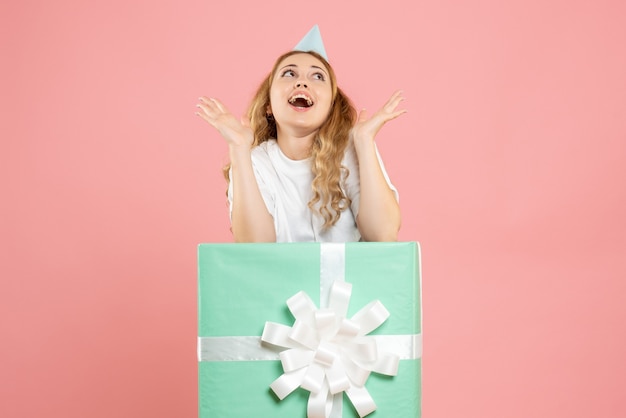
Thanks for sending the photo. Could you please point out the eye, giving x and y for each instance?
(319, 76)
(288, 73)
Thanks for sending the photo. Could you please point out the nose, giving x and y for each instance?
(301, 84)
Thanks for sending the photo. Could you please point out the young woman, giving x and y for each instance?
(303, 166)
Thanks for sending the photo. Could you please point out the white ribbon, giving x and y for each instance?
(327, 354)
(323, 352)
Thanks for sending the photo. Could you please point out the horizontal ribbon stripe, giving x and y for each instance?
(407, 347)
(235, 349)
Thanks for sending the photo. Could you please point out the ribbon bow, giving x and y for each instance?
(328, 354)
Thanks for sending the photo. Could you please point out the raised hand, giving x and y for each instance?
(236, 132)
(367, 128)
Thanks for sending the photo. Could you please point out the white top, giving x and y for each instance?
(285, 185)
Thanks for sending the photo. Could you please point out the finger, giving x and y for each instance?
(393, 115)
(205, 117)
(362, 115)
(245, 121)
(211, 103)
(207, 105)
(394, 101)
(386, 116)
(219, 105)
(207, 110)
(396, 94)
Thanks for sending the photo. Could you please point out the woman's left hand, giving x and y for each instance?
(367, 128)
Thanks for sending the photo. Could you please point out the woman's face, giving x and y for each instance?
(301, 94)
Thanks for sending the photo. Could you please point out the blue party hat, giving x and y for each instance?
(312, 41)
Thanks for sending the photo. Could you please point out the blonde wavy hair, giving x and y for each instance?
(328, 146)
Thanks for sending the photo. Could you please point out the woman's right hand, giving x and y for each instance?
(250, 219)
(237, 133)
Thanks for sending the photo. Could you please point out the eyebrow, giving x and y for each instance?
(312, 66)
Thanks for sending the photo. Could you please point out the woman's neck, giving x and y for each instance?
(295, 147)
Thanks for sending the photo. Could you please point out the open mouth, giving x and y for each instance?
(301, 100)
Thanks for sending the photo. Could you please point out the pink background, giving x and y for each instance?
(510, 164)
